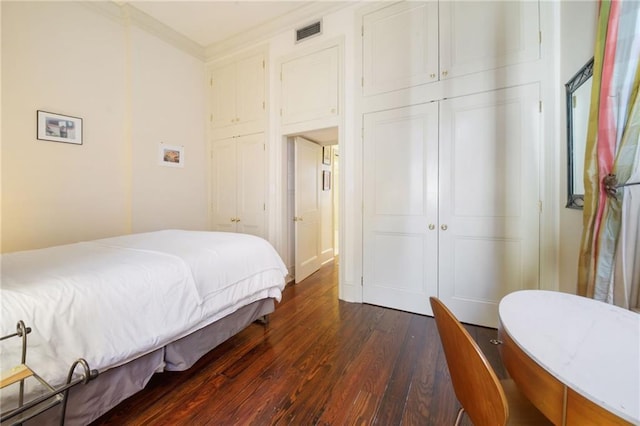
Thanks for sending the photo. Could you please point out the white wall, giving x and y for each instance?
(130, 90)
(168, 106)
(62, 58)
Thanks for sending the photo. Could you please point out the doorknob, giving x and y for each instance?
(233, 219)
(237, 219)
(431, 227)
(297, 219)
(444, 227)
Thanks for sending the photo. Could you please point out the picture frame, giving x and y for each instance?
(326, 155)
(326, 180)
(59, 128)
(171, 155)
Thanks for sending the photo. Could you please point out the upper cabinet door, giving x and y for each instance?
(238, 92)
(223, 95)
(400, 47)
(482, 35)
(310, 87)
(250, 93)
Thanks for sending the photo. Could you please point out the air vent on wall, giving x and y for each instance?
(308, 31)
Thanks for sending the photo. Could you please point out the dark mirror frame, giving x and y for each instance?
(574, 201)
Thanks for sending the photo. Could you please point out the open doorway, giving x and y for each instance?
(312, 201)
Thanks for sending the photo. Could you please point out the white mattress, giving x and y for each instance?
(113, 300)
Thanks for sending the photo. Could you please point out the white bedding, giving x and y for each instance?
(113, 300)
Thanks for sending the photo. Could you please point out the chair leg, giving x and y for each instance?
(459, 416)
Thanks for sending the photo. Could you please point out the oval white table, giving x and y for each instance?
(576, 359)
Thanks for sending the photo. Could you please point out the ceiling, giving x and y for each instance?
(211, 21)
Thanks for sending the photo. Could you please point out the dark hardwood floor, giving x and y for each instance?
(318, 361)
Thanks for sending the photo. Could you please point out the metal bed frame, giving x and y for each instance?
(51, 397)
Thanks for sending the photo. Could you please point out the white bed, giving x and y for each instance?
(143, 302)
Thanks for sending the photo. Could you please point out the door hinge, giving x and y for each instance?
(362, 82)
(211, 81)
(263, 105)
(362, 281)
(280, 75)
(264, 207)
(539, 106)
(540, 206)
(362, 31)
(264, 146)
(263, 67)
(211, 118)
(280, 112)
(540, 37)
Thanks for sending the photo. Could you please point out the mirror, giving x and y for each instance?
(578, 101)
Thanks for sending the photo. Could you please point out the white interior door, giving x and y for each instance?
(489, 200)
(307, 160)
(400, 207)
(251, 208)
(223, 185)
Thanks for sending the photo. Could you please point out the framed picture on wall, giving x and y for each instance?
(326, 155)
(326, 180)
(59, 128)
(171, 155)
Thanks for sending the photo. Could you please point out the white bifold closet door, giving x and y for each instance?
(400, 205)
(451, 203)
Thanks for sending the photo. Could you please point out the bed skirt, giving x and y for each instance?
(88, 402)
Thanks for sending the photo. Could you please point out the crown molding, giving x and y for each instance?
(301, 16)
(126, 14)
(163, 32)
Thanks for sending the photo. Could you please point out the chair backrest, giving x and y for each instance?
(475, 383)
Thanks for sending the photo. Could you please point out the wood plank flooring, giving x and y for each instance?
(319, 361)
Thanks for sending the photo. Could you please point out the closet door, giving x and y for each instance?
(489, 200)
(250, 184)
(400, 47)
(400, 207)
(310, 87)
(250, 90)
(223, 95)
(223, 185)
(483, 35)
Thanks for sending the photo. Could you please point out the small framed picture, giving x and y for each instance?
(171, 155)
(59, 128)
(326, 180)
(326, 155)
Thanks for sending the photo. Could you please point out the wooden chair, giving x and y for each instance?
(486, 400)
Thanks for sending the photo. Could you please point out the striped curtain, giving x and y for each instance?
(609, 264)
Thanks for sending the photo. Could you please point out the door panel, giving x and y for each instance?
(489, 200)
(223, 169)
(223, 95)
(400, 202)
(251, 184)
(307, 158)
(400, 46)
(310, 87)
(250, 89)
(483, 35)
